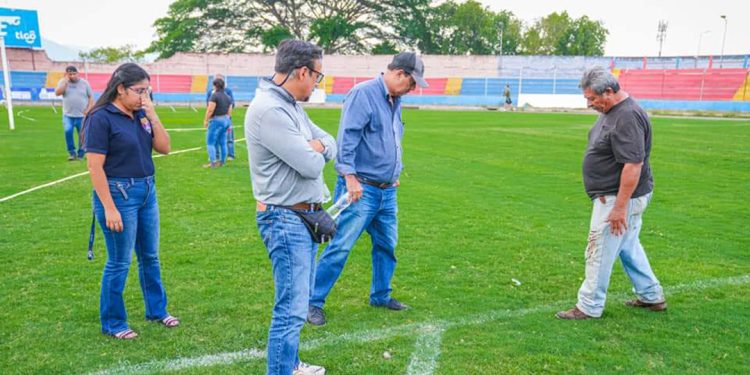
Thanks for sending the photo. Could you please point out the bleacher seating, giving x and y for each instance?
(683, 84)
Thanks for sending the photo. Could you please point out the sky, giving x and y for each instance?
(86, 24)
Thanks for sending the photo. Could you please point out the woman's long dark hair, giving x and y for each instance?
(127, 74)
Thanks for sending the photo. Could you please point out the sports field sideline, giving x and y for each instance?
(486, 198)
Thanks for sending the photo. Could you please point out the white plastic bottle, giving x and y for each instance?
(339, 206)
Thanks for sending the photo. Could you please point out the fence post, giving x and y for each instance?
(703, 81)
(485, 86)
(554, 80)
(744, 89)
(663, 78)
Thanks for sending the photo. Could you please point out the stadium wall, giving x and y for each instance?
(679, 83)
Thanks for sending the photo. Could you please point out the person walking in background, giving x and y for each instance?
(77, 98)
(508, 101)
(119, 135)
(230, 131)
(287, 153)
(217, 121)
(369, 165)
(617, 177)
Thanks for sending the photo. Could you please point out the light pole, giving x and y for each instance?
(723, 39)
(500, 26)
(698, 52)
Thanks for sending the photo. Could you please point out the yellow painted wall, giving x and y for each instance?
(743, 92)
(327, 83)
(199, 85)
(53, 78)
(453, 86)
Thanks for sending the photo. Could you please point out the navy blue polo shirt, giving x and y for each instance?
(127, 142)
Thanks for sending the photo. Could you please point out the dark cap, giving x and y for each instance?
(411, 64)
(71, 69)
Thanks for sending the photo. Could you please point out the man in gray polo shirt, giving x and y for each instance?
(287, 154)
(77, 101)
(617, 177)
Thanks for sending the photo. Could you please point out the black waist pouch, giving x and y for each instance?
(319, 223)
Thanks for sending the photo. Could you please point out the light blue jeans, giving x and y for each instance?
(135, 198)
(216, 138)
(604, 248)
(292, 253)
(375, 212)
(69, 124)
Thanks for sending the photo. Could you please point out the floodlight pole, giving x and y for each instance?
(723, 39)
(6, 77)
(698, 52)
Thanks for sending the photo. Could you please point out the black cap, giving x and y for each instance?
(411, 64)
(71, 69)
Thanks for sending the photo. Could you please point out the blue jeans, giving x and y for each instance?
(135, 198)
(216, 138)
(604, 248)
(376, 212)
(230, 141)
(292, 253)
(70, 123)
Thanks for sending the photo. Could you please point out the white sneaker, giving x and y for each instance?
(308, 369)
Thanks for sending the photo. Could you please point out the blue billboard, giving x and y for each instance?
(21, 28)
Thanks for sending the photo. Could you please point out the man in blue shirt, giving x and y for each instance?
(230, 131)
(369, 166)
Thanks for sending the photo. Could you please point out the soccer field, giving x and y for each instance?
(493, 226)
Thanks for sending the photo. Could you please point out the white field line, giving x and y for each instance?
(414, 329)
(426, 351)
(21, 114)
(9, 197)
(194, 129)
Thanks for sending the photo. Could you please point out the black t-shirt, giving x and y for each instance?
(127, 142)
(222, 100)
(622, 135)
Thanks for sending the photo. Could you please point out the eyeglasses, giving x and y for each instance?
(320, 76)
(141, 91)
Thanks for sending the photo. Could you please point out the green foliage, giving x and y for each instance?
(384, 48)
(559, 34)
(486, 197)
(350, 26)
(126, 53)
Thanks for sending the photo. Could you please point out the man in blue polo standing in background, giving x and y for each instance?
(78, 98)
(369, 166)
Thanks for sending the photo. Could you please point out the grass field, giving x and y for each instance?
(486, 197)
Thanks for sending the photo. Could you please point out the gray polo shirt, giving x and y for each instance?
(284, 168)
(620, 136)
(76, 97)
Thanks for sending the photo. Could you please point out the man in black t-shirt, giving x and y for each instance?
(617, 177)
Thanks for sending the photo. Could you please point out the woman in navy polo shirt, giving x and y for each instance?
(120, 133)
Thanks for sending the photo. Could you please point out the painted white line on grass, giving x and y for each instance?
(186, 363)
(426, 352)
(3, 199)
(413, 329)
(193, 129)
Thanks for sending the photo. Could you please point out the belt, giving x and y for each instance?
(261, 207)
(379, 185)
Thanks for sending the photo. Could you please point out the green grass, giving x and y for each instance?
(485, 197)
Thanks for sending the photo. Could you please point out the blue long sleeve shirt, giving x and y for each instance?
(370, 133)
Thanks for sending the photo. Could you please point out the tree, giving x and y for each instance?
(559, 34)
(126, 53)
(202, 26)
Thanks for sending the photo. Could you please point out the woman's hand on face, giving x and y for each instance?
(148, 106)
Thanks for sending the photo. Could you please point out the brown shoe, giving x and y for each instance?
(573, 314)
(659, 306)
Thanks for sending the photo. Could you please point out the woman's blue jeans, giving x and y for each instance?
(216, 138)
(135, 198)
